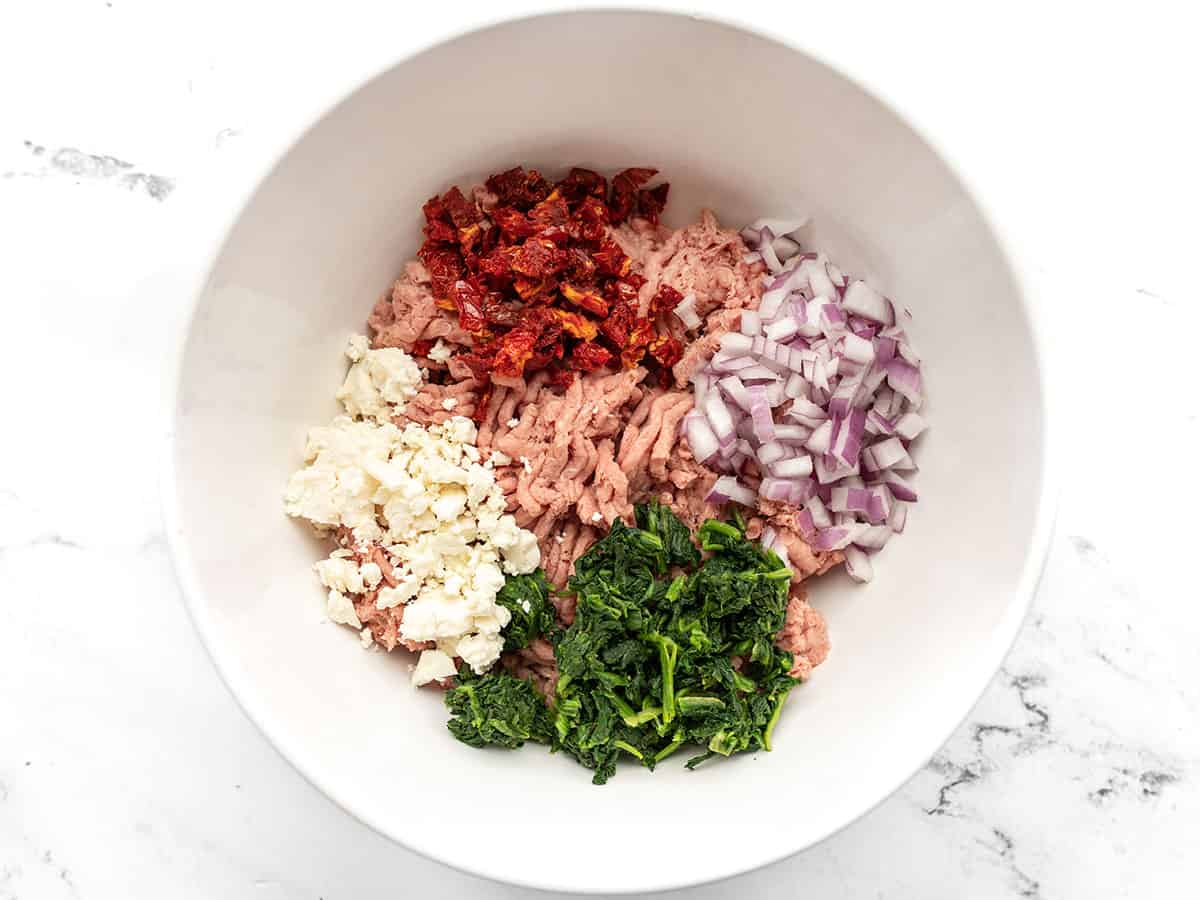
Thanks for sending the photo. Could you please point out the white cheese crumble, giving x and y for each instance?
(378, 380)
(513, 423)
(597, 516)
(422, 494)
(449, 403)
(440, 352)
(432, 666)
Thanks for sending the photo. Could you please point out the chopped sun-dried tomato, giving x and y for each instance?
(625, 290)
(468, 237)
(624, 192)
(534, 290)
(519, 188)
(538, 257)
(650, 203)
(445, 267)
(538, 281)
(619, 323)
(469, 300)
(580, 266)
(581, 183)
(496, 268)
(561, 378)
(640, 336)
(611, 259)
(543, 324)
(589, 356)
(441, 232)
(665, 300)
(593, 211)
(479, 361)
(551, 211)
(576, 325)
(501, 313)
(481, 404)
(666, 350)
(585, 298)
(514, 351)
(435, 210)
(513, 223)
(462, 212)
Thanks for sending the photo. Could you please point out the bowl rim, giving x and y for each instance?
(237, 191)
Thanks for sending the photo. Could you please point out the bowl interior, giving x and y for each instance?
(330, 227)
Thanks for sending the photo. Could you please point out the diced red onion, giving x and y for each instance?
(736, 391)
(729, 488)
(785, 248)
(783, 329)
(877, 424)
(828, 354)
(760, 413)
(796, 467)
(874, 537)
(821, 438)
(865, 301)
(778, 490)
(766, 249)
(792, 434)
(887, 454)
(898, 518)
(879, 504)
(735, 344)
(718, 417)
(909, 425)
(905, 379)
(771, 451)
(858, 565)
(846, 441)
(701, 439)
(819, 280)
(685, 310)
(857, 349)
(900, 488)
(830, 470)
(849, 500)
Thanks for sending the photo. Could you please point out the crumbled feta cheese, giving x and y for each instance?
(513, 423)
(449, 403)
(341, 574)
(422, 495)
(525, 464)
(597, 516)
(340, 609)
(357, 347)
(432, 666)
(500, 458)
(371, 574)
(440, 351)
(378, 381)
(367, 640)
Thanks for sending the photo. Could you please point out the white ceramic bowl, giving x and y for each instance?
(330, 226)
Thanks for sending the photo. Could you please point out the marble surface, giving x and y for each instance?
(127, 770)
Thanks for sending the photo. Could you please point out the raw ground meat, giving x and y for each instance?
(804, 634)
(535, 662)
(384, 623)
(570, 462)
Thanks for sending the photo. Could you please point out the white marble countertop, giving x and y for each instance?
(127, 770)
